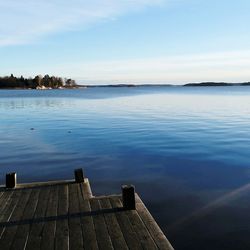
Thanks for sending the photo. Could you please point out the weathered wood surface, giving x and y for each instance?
(65, 215)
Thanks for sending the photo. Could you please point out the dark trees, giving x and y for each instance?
(36, 82)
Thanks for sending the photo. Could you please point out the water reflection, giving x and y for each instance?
(32, 103)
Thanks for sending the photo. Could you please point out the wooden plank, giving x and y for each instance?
(114, 229)
(62, 228)
(21, 235)
(88, 230)
(156, 233)
(9, 207)
(10, 231)
(48, 233)
(140, 229)
(34, 238)
(129, 234)
(5, 200)
(75, 229)
(1, 194)
(45, 183)
(102, 235)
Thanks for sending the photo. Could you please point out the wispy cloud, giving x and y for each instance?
(224, 66)
(27, 20)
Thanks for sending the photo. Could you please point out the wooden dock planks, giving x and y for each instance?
(113, 226)
(64, 215)
(34, 237)
(62, 228)
(102, 234)
(9, 233)
(48, 233)
(22, 233)
(129, 234)
(87, 223)
(75, 228)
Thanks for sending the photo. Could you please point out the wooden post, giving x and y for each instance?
(79, 177)
(11, 180)
(128, 197)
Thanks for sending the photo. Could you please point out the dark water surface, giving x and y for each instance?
(187, 150)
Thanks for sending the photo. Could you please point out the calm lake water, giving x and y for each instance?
(187, 151)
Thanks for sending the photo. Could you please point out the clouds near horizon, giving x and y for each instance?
(229, 66)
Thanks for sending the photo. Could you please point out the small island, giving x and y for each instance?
(38, 82)
(215, 84)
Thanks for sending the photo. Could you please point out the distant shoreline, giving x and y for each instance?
(202, 84)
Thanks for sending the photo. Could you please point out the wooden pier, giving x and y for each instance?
(64, 215)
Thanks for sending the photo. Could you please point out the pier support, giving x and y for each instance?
(79, 177)
(11, 180)
(128, 197)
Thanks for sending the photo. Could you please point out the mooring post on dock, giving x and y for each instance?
(128, 197)
(79, 176)
(11, 180)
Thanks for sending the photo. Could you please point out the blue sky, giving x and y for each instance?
(138, 41)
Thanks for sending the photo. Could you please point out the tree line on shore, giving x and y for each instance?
(37, 82)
